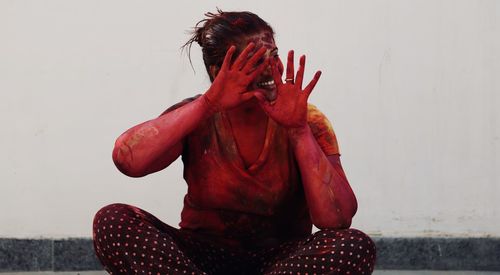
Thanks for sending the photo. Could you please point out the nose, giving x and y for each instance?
(268, 71)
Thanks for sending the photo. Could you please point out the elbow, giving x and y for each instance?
(129, 172)
(124, 161)
(339, 219)
(333, 223)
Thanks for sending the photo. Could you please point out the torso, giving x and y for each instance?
(243, 180)
(249, 131)
(250, 140)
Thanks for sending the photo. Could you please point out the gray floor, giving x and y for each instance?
(377, 272)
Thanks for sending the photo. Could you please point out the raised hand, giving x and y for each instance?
(290, 107)
(229, 88)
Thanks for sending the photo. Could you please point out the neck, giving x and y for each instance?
(247, 112)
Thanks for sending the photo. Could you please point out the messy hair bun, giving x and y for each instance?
(219, 30)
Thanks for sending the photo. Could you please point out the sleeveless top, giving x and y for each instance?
(262, 203)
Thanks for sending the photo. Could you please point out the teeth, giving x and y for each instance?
(267, 83)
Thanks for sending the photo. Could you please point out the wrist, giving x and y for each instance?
(210, 104)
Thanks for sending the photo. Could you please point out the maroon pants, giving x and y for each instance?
(129, 240)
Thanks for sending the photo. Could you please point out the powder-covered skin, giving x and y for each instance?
(153, 145)
(262, 201)
(264, 40)
(261, 163)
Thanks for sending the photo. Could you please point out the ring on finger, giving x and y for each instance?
(289, 80)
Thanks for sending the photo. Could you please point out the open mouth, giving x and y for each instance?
(268, 85)
(270, 89)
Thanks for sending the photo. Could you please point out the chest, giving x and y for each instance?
(250, 141)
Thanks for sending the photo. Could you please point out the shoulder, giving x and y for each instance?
(322, 130)
(317, 120)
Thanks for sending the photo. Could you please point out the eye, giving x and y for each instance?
(260, 61)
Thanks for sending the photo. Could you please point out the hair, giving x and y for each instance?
(216, 33)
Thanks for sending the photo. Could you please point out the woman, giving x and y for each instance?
(262, 165)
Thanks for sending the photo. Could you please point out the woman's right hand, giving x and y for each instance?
(229, 88)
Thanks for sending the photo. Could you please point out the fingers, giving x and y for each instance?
(300, 72)
(257, 94)
(311, 84)
(254, 59)
(248, 95)
(289, 67)
(276, 74)
(263, 102)
(261, 68)
(227, 58)
(281, 68)
(243, 56)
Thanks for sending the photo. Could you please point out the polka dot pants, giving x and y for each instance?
(129, 240)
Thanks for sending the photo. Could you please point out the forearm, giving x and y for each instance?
(331, 201)
(142, 146)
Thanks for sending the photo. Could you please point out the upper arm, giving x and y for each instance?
(325, 137)
(334, 159)
(336, 164)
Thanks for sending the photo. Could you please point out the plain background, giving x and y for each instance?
(411, 87)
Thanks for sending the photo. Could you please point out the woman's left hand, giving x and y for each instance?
(290, 107)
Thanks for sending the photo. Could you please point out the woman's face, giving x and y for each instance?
(264, 81)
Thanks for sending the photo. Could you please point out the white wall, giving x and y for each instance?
(412, 88)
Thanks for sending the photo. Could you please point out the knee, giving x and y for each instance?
(360, 240)
(353, 242)
(109, 216)
(111, 212)
(346, 235)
